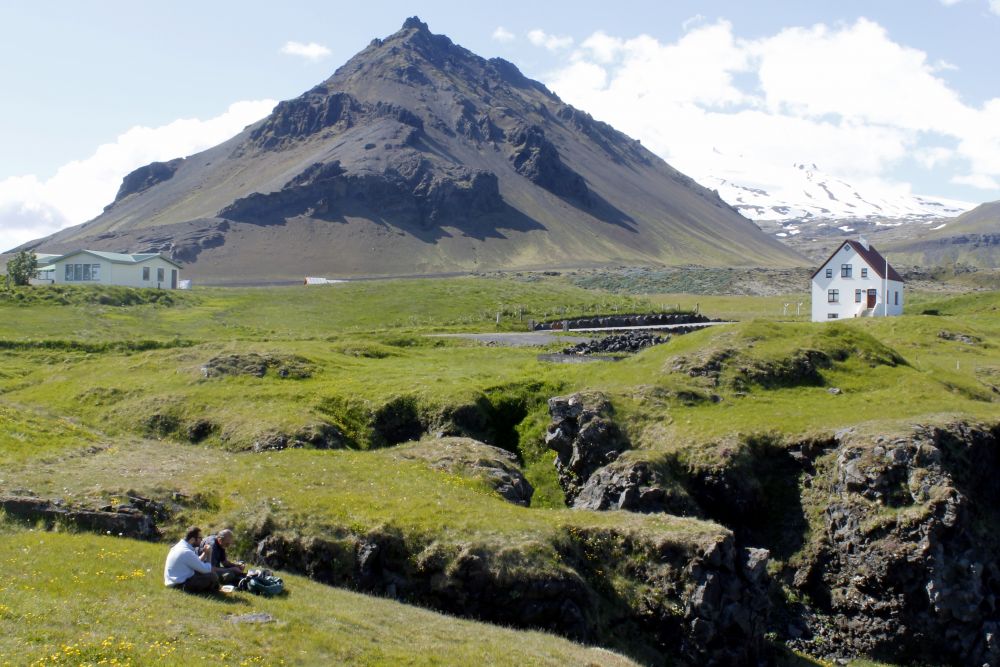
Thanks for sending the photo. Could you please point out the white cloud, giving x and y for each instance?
(501, 34)
(692, 21)
(995, 7)
(550, 42)
(32, 207)
(977, 181)
(847, 97)
(311, 51)
(950, 3)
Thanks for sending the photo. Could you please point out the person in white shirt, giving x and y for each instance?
(186, 570)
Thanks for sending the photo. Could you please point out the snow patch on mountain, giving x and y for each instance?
(807, 194)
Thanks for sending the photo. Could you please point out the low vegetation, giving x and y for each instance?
(279, 412)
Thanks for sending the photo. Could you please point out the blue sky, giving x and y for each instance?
(89, 89)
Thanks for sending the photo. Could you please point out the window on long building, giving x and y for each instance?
(82, 272)
(864, 273)
(833, 295)
(845, 270)
(857, 296)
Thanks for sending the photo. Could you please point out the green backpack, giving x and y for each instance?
(262, 582)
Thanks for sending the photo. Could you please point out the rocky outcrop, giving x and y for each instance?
(584, 437)
(636, 486)
(727, 611)
(908, 567)
(410, 188)
(537, 159)
(135, 519)
(146, 177)
(319, 110)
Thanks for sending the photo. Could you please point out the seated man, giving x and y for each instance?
(216, 545)
(184, 569)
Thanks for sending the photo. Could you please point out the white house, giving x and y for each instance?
(89, 267)
(856, 281)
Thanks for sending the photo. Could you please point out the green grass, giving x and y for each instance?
(70, 599)
(99, 399)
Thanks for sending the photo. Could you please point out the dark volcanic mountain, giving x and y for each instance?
(417, 156)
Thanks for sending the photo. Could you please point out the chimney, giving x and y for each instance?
(863, 242)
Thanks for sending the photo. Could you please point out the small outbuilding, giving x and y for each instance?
(90, 267)
(857, 281)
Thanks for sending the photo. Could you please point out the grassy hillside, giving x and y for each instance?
(111, 608)
(276, 411)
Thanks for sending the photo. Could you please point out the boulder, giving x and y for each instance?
(636, 486)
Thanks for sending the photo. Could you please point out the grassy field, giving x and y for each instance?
(105, 393)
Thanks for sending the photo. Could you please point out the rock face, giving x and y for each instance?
(701, 601)
(135, 520)
(417, 156)
(146, 177)
(592, 470)
(909, 567)
(584, 437)
(633, 485)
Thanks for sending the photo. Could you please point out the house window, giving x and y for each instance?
(897, 298)
(845, 270)
(82, 272)
(864, 273)
(833, 296)
(829, 273)
(832, 316)
(145, 273)
(159, 275)
(857, 296)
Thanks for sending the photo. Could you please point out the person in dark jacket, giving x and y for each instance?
(215, 546)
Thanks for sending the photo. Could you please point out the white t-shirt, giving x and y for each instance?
(182, 563)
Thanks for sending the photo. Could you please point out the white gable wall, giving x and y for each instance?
(847, 305)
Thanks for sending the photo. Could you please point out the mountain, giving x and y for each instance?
(418, 156)
(813, 212)
(809, 194)
(971, 238)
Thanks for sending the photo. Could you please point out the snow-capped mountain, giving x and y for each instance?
(807, 194)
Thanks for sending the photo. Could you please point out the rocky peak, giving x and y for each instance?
(414, 23)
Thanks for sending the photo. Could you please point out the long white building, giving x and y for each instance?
(856, 281)
(89, 267)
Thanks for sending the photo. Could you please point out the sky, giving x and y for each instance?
(898, 95)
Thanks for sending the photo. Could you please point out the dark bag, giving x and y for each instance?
(261, 582)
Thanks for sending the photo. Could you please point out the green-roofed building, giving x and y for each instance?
(97, 267)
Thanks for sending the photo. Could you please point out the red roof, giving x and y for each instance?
(871, 256)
